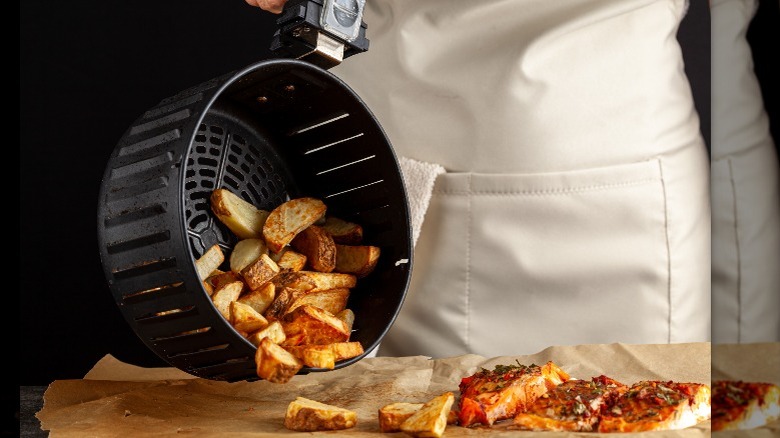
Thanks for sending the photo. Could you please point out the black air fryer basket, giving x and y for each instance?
(276, 130)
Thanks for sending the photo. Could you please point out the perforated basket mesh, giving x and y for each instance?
(274, 131)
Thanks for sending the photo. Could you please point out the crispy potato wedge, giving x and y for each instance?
(274, 363)
(284, 297)
(316, 281)
(241, 217)
(343, 232)
(392, 415)
(294, 280)
(246, 319)
(245, 252)
(315, 356)
(292, 341)
(209, 261)
(259, 299)
(326, 355)
(208, 287)
(290, 218)
(318, 247)
(272, 331)
(332, 300)
(359, 260)
(218, 278)
(260, 272)
(431, 419)
(346, 350)
(306, 415)
(223, 296)
(316, 325)
(289, 260)
(348, 316)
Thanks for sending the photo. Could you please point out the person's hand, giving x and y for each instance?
(274, 6)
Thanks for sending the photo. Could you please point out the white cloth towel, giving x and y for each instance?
(419, 177)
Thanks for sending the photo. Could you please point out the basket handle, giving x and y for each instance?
(323, 32)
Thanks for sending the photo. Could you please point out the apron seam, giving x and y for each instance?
(468, 268)
(732, 184)
(668, 252)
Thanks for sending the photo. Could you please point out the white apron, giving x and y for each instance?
(575, 204)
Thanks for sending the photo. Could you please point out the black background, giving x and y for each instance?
(88, 69)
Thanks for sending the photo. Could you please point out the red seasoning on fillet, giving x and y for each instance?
(488, 396)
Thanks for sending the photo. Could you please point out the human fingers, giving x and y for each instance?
(274, 6)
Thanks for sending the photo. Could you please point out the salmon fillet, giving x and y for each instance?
(658, 405)
(488, 396)
(573, 406)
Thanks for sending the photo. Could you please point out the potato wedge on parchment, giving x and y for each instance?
(431, 419)
(306, 415)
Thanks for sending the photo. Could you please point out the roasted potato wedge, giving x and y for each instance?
(313, 281)
(289, 260)
(326, 355)
(209, 261)
(290, 218)
(315, 356)
(316, 325)
(431, 419)
(358, 260)
(274, 363)
(343, 232)
(223, 296)
(318, 247)
(284, 298)
(273, 331)
(246, 319)
(245, 252)
(259, 299)
(348, 316)
(218, 278)
(306, 415)
(260, 272)
(332, 300)
(346, 350)
(392, 415)
(294, 280)
(241, 217)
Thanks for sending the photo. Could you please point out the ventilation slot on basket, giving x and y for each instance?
(149, 143)
(130, 216)
(165, 315)
(199, 351)
(228, 369)
(181, 335)
(162, 121)
(352, 189)
(143, 167)
(117, 247)
(318, 124)
(137, 190)
(333, 143)
(345, 165)
(164, 109)
(144, 268)
(156, 293)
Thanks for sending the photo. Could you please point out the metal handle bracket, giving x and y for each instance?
(323, 32)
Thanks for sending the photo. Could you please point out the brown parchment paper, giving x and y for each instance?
(118, 399)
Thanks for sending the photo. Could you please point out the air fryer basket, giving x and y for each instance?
(276, 130)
